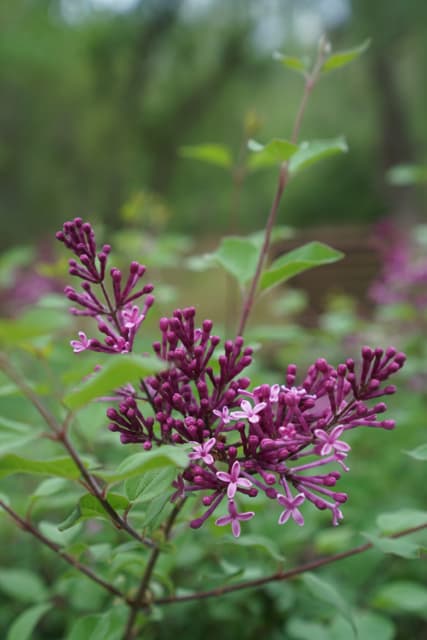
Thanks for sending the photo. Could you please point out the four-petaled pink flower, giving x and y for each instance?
(82, 344)
(233, 480)
(248, 412)
(234, 518)
(328, 442)
(202, 451)
(224, 414)
(291, 508)
(132, 316)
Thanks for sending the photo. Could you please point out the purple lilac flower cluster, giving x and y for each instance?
(117, 316)
(276, 439)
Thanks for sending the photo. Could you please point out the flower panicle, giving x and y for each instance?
(287, 440)
(108, 297)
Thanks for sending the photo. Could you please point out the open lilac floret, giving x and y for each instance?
(278, 439)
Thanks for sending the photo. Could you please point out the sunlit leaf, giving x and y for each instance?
(328, 593)
(274, 152)
(83, 627)
(299, 629)
(24, 625)
(216, 154)
(369, 625)
(313, 254)
(342, 58)
(111, 624)
(118, 371)
(300, 65)
(311, 152)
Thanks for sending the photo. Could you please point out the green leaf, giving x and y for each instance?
(89, 507)
(33, 324)
(420, 453)
(216, 154)
(274, 152)
(24, 625)
(22, 585)
(305, 630)
(49, 487)
(395, 521)
(165, 456)
(83, 628)
(343, 58)
(407, 174)
(300, 65)
(313, 254)
(15, 434)
(311, 152)
(63, 538)
(111, 624)
(238, 256)
(369, 625)
(118, 371)
(326, 592)
(397, 547)
(402, 595)
(60, 467)
(150, 485)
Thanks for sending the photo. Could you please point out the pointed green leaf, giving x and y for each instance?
(398, 520)
(111, 624)
(118, 370)
(60, 467)
(407, 174)
(83, 627)
(311, 152)
(326, 592)
(150, 485)
(32, 324)
(313, 254)
(22, 585)
(274, 152)
(216, 154)
(396, 547)
(343, 58)
(15, 434)
(49, 487)
(300, 65)
(419, 453)
(161, 457)
(24, 625)
(402, 595)
(238, 256)
(89, 507)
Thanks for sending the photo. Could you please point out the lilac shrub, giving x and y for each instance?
(279, 439)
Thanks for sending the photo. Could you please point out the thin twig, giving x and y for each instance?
(62, 437)
(140, 599)
(25, 525)
(283, 179)
(282, 575)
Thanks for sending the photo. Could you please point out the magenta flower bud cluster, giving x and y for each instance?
(286, 440)
(111, 301)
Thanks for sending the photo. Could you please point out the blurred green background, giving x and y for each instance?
(99, 95)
